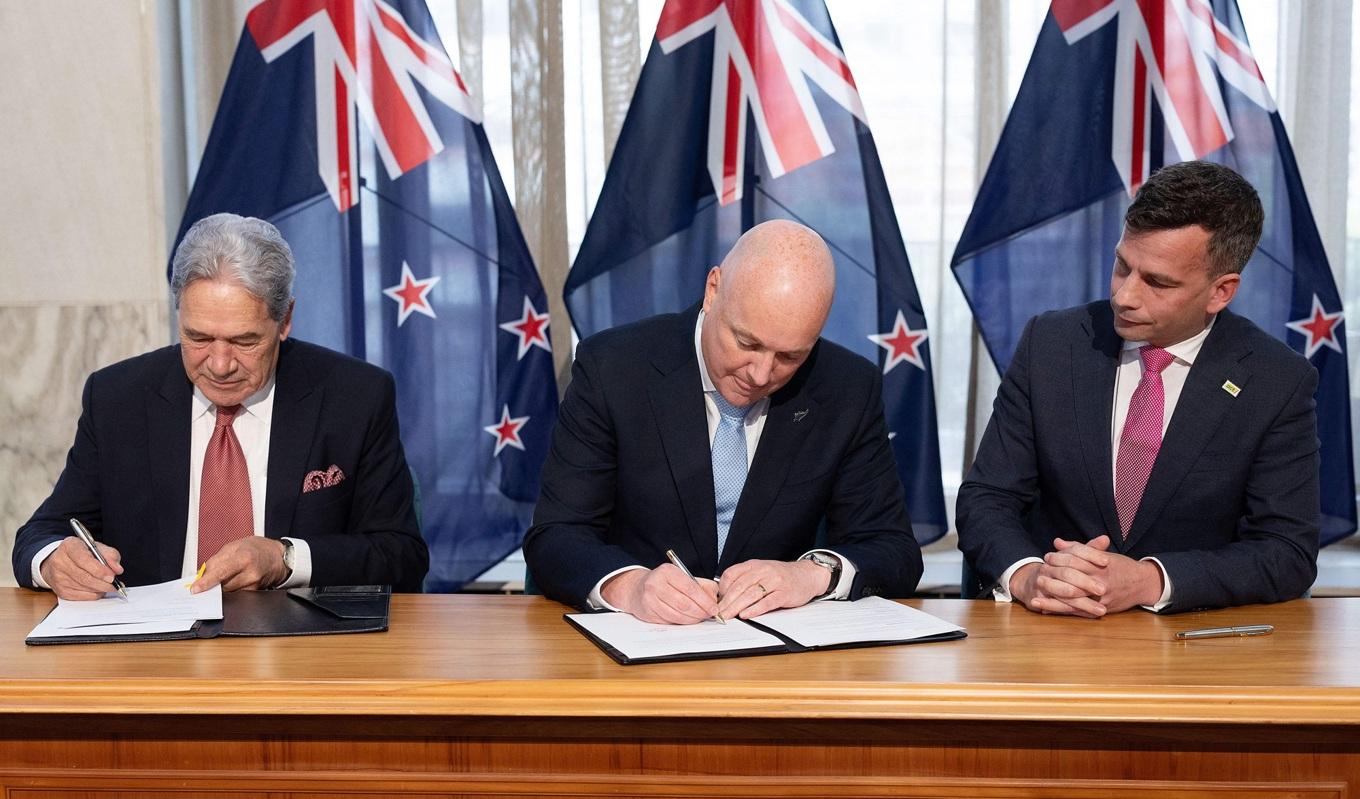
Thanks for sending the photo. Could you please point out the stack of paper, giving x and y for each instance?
(149, 609)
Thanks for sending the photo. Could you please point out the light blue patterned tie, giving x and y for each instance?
(729, 464)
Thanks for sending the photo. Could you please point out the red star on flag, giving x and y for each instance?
(410, 294)
(532, 329)
(1319, 327)
(902, 344)
(506, 431)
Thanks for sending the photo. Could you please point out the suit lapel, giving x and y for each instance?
(1202, 405)
(167, 426)
(1095, 358)
(297, 406)
(677, 400)
(790, 417)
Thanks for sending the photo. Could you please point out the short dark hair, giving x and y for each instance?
(1209, 195)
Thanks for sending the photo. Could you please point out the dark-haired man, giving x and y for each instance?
(1156, 450)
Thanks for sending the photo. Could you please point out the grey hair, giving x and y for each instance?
(240, 249)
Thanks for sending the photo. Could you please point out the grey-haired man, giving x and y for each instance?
(268, 461)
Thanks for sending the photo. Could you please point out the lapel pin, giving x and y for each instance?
(1231, 387)
(798, 416)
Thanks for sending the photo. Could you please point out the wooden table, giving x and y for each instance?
(496, 696)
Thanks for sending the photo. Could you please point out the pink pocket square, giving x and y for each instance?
(318, 479)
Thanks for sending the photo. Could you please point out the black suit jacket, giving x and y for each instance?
(630, 472)
(127, 474)
(1231, 506)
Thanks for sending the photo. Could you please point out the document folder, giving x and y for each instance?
(872, 621)
(297, 611)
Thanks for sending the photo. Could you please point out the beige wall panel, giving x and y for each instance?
(80, 147)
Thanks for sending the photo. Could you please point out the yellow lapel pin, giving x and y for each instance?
(1231, 387)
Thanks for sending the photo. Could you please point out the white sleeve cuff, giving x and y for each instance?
(848, 571)
(38, 561)
(1001, 592)
(596, 600)
(302, 565)
(1166, 588)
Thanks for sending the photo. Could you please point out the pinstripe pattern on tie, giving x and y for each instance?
(1142, 436)
(729, 464)
(225, 512)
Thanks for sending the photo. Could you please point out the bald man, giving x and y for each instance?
(730, 434)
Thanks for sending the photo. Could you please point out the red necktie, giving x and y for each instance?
(1142, 436)
(224, 510)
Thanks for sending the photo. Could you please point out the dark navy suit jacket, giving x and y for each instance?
(127, 474)
(1231, 506)
(630, 472)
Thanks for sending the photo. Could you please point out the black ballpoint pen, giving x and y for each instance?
(88, 540)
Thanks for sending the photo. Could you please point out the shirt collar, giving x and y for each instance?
(699, 351)
(260, 404)
(1184, 351)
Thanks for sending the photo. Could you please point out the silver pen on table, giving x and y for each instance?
(679, 564)
(88, 541)
(1226, 632)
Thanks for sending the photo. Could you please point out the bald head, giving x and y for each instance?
(764, 309)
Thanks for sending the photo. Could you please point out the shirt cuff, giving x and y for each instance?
(38, 559)
(302, 565)
(596, 600)
(1001, 592)
(1166, 588)
(848, 571)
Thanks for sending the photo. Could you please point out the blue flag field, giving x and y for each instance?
(746, 112)
(1114, 91)
(346, 125)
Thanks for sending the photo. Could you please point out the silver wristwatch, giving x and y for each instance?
(831, 564)
(289, 560)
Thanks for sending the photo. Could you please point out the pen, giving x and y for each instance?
(679, 564)
(1226, 632)
(88, 540)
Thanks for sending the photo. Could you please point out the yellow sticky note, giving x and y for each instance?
(1231, 387)
(199, 576)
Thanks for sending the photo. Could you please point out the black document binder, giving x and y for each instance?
(297, 611)
(788, 646)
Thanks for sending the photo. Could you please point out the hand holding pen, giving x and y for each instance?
(81, 569)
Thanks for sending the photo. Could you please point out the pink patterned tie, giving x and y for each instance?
(1142, 436)
(224, 509)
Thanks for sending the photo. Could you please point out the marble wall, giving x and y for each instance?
(82, 222)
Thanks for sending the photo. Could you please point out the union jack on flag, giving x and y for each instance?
(774, 86)
(346, 125)
(1116, 89)
(685, 182)
(1175, 50)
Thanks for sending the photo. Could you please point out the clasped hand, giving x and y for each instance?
(1086, 580)
(665, 595)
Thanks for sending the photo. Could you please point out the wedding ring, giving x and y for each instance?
(763, 589)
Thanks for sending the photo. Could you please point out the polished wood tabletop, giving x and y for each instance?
(463, 655)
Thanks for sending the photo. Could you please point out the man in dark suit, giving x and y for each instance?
(1154, 451)
(274, 463)
(664, 418)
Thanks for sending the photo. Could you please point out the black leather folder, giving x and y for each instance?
(297, 611)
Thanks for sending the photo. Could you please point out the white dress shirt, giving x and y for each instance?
(1126, 380)
(754, 427)
(252, 426)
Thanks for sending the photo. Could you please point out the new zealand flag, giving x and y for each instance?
(687, 179)
(1116, 89)
(345, 124)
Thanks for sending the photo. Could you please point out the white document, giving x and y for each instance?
(167, 607)
(864, 620)
(639, 640)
